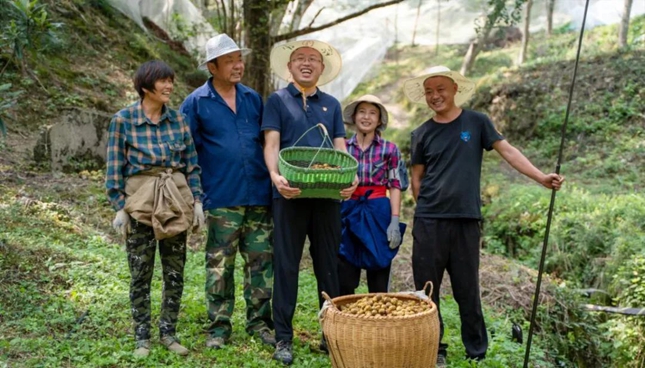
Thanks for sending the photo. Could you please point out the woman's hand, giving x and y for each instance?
(198, 216)
(394, 233)
(121, 222)
(347, 192)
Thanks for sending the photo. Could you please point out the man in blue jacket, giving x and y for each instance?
(225, 118)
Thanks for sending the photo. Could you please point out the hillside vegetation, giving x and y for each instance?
(60, 261)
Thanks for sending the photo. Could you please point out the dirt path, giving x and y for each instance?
(399, 117)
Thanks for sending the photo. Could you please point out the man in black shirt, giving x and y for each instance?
(447, 153)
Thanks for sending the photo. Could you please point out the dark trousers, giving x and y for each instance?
(349, 276)
(141, 247)
(452, 245)
(294, 220)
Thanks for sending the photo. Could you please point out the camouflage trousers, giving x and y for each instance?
(141, 247)
(249, 228)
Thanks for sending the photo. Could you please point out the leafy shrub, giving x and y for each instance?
(596, 240)
(591, 234)
(29, 29)
(627, 333)
(7, 101)
(572, 336)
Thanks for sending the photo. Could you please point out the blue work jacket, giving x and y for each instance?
(229, 147)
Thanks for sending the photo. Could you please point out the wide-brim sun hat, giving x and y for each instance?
(281, 55)
(415, 92)
(218, 46)
(349, 110)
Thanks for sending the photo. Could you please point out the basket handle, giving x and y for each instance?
(328, 298)
(326, 139)
(425, 288)
(324, 133)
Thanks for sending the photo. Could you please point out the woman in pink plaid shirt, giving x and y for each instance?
(371, 232)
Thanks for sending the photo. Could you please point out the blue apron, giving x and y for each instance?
(364, 232)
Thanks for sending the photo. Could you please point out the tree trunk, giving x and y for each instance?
(550, 6)
(301, 8)
(436, 47)
(257, 38)
(469, 59)
(289, 12)
(497, 12)
(475, 47)
(525, 35)
(277, 15)
(221, 16)
(416, 22)
(231, 21)
(624, 24)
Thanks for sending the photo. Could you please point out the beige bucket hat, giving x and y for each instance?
(415, 92)
(220, 45)
(350, 109)
(281, 55)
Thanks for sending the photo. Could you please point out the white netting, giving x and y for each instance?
(180, 19)
(363, 41)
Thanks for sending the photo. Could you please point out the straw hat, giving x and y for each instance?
(350, 109)
(414, 90)
(220, 45)
(281, 55)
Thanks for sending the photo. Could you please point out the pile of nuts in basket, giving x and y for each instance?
(384, 306)
(324, 166)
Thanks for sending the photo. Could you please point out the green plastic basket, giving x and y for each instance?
(295, 165)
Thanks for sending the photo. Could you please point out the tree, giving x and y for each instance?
(291, 14)
(257, 38)
(525, 35)
(550, 6)
(624, 24)
(416, 21)
(498, 14)
(436, 47)
(228, 18)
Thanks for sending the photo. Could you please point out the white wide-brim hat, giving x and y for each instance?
(281, 55)
(415, 92)
(220, 45)
(349, 110)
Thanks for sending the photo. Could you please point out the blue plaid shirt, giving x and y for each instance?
(136, 144)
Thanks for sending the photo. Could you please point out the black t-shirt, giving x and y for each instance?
(452, 155)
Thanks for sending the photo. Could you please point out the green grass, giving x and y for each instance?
(59, 259)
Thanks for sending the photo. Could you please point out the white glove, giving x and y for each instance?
(198, 216)
(121, 222)
(394, 233)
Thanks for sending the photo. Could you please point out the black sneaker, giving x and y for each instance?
(284, 352)
(267, 337)
(323, 345)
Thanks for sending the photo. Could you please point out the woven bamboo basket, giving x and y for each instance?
(295, 164)
(393, 342)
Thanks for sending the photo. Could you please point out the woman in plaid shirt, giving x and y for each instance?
(370, 220)
(153, 178)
